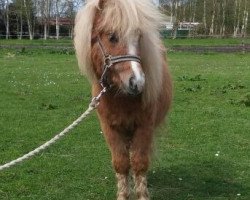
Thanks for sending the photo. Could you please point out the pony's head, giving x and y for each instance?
(121, 27)
(116, 60)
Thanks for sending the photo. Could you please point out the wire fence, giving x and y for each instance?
(65, 44)
(182, 34)
(190, 34)
(35, 37)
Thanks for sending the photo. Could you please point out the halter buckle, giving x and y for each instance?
(108, 61)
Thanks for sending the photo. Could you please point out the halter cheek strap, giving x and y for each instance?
(109, 60)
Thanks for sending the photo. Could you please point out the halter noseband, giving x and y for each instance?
(109, 60)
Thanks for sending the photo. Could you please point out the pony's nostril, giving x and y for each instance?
(132, 82)
(132, 85)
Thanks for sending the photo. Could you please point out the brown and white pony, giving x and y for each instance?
(139, 90)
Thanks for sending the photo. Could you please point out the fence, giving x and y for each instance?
(166, 34)
(36, 36)
(192, 34)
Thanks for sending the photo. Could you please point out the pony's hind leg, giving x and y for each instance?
(140, 158)
(120, 159)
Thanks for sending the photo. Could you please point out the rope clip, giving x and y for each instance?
(96, 100)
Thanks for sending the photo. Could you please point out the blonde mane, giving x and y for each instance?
(124, 16)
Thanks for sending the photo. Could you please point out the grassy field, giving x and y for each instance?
(38, 42)
(202, 153)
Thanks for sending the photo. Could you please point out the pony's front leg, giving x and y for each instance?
(120, 159)
(140, 159)
(121, 164)
(123, 190)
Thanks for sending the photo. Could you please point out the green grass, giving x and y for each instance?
(37, 42)
(202, 153)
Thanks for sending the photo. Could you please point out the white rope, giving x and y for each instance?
(94, 103)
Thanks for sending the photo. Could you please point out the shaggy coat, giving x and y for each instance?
(128, 122)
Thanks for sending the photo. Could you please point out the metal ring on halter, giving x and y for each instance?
(108, 61)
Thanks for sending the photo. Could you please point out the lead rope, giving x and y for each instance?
(93, 105)
(108, 62)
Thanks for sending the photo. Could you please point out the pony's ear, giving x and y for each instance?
(101, 4)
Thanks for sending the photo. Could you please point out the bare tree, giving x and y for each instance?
(223, 17)
(28, 9)
(205, 14)
(218, 16)
(244, 21)
(184, 12)
(6, 18)
(34, 13)
(20, 18)
(171, 10)
(72, 7)
(237, 17)
(45, 13)
(59, 8)
(211, 32)
(194, 10)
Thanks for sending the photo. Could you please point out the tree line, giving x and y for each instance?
(216, 17)
(41, 18)
(37, 18)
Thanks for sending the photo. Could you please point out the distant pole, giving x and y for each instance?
(7, 20)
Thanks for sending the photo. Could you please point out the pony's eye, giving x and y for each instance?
(113, 38)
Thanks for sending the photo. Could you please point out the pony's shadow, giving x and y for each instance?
(196, 181)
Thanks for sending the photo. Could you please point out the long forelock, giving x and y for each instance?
(124, 17)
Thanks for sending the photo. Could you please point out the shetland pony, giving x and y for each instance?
(139, 88)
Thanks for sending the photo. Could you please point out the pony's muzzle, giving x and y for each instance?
(135, 86)
(137, 79)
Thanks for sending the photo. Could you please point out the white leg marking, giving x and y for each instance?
(141, 187)
(122, 187)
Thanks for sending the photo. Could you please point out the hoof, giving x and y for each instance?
(122, 197)
(143, 198)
